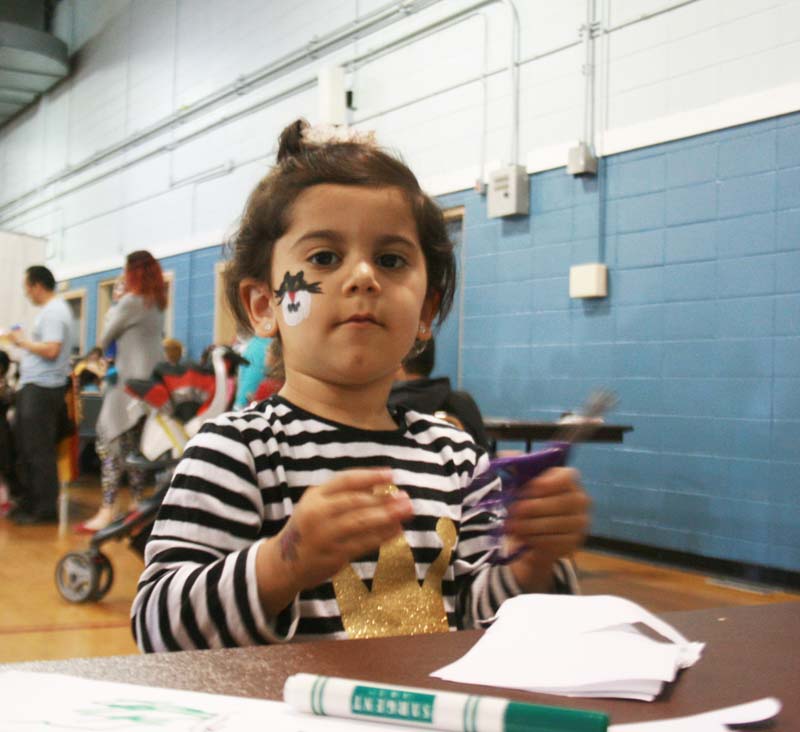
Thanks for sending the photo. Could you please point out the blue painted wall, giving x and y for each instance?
(192, 295)
(700, 334)
(91, 284)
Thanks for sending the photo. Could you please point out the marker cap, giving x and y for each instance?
(524, 717)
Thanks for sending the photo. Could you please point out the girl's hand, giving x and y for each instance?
(550, 518)
(331, 525)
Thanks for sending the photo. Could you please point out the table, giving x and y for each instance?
(750, 653)
(499, 428)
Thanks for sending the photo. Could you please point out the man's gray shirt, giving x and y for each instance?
(54, 324)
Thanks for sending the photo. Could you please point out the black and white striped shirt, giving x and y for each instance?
(237, 484)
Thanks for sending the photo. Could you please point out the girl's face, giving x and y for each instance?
(349, 285)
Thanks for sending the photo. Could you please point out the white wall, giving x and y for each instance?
(17, 253)
(665, 69)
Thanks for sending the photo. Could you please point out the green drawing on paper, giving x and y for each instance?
(132, 714)
(137, 713)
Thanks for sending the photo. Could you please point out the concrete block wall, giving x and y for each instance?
(699, 336)
(699, 333)
(665, 70)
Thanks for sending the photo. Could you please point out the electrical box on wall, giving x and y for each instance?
(581, 160)
(507, 194)
(332, 98)
(588, 280)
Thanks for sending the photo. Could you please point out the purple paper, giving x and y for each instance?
(514, 471)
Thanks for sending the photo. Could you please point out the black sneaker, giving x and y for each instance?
(24, 518)
(15, 511)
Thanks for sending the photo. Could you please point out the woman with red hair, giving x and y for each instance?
(136, 324)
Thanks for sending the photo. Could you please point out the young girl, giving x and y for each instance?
(319, 513)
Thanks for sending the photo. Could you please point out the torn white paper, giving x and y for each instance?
(575, 646)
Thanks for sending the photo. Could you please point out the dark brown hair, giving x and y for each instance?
(301, 164)
(39, 275)
(420, 361)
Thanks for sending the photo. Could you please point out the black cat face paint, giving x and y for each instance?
(294, 297)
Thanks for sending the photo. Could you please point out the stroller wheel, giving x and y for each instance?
(77, 577)
(105, 575)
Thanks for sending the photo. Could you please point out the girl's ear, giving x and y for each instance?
(257, 299)
(429, 309)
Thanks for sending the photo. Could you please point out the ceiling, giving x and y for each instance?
(31, 61)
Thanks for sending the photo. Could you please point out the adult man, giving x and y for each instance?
(40, 408)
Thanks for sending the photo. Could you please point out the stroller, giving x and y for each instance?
(177, 399)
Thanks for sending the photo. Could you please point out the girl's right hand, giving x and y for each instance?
(333, 524)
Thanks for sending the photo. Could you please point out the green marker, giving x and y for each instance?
(436, 710)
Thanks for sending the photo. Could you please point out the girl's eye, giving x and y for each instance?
(391, 261)
(324, 258)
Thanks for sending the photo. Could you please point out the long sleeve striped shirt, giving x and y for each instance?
(237, 484)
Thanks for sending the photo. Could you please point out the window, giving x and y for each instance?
(76, 299)
(169, 313)
(104, 290)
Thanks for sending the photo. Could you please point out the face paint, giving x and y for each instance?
(294, 297)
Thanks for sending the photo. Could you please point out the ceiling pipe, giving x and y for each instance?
(6, 210)
(303, 56)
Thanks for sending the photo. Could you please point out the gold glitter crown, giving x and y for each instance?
(397, 603)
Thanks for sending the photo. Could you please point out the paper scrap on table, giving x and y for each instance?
(93, 706)
(34, 701)
(714, 721)
(586, 646)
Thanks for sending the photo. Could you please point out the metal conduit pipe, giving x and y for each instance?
(425, 31)
(588, 31)
(6, 214)
(448, 22)
(169, 146)
(334, 40)
(647, 16)
(356, 63)
(422, 33)
(513, 77)
(302, 87)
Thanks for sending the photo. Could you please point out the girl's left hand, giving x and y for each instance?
(550, 518)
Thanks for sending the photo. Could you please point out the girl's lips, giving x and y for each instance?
(361, 320)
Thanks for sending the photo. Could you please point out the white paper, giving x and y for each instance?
(575, 646)
(33, 701)
(36, 701)
(714, 721)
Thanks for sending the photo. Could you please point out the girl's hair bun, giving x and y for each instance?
(291, 142)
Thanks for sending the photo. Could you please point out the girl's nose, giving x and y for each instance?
(362, 278)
